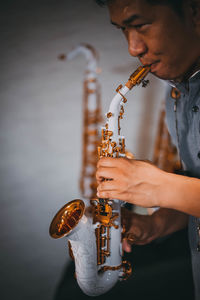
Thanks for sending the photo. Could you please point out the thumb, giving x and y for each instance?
(126, 246)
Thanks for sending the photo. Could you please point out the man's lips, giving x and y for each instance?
(152, 65)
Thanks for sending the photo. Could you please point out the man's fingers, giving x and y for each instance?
(125, 246)
(111, 162)
(108, 185)
(110, 189)
(105, 173)
(106, 162)
(108, 194)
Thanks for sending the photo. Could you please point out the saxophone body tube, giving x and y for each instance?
(91, 280)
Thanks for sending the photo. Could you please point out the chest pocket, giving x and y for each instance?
(170, 117)
(187, 116)
(191, 141)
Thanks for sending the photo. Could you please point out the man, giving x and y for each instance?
(164, 34)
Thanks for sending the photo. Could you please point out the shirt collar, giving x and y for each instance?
(184, 85)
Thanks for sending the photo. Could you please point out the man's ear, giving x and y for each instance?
(195, 10)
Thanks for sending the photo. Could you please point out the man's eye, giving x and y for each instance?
(137, 26)
(141, 26)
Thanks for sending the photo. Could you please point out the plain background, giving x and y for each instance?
(41, 128)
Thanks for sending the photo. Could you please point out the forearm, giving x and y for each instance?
(167, 221)
(143, 184)
(182, 193)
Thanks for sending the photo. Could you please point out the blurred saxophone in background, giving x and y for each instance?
(92, 117)
(93, 228)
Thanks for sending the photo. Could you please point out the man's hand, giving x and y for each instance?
(142, 183)
(139, 229)
(143, 229)
(130, 180)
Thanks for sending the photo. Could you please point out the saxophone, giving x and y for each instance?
(91, 117)
(94, 229)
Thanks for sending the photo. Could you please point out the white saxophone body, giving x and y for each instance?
(94, 229)
(84, 248)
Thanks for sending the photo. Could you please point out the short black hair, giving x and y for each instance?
(175, 4)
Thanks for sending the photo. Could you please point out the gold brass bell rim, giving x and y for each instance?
(67, 218)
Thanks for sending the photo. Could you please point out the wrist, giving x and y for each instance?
(166, 221)
(180, 193)
(169, 190)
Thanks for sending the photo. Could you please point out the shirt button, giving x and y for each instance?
(195, 108)
(198, 154)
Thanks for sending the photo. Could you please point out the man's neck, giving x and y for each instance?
(191, 71)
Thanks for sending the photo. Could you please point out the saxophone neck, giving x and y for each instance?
(112, 142)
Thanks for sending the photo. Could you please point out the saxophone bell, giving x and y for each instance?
(66, 219)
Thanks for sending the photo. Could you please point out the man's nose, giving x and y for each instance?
(136, 45)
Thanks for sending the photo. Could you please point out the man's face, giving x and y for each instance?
(157, 36)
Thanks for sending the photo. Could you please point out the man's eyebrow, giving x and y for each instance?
(128, 20)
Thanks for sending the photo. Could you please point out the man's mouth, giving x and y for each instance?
(152, 65)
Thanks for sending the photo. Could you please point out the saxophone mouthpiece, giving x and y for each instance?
(138, 76)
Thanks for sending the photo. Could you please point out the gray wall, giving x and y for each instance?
(41, 120)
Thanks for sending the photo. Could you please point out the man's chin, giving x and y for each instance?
(159, 75)
(169, 73)
(163, 76)
(160, 70)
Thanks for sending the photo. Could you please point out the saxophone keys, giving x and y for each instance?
(103, 242)
(102, 229)
(113, 144)
(99, 151)
(109, 132)
(109, 114)
(119, 88)
(127, 270)
(145, 83)
(106, 253)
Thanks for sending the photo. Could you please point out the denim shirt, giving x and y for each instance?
(183, 121)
